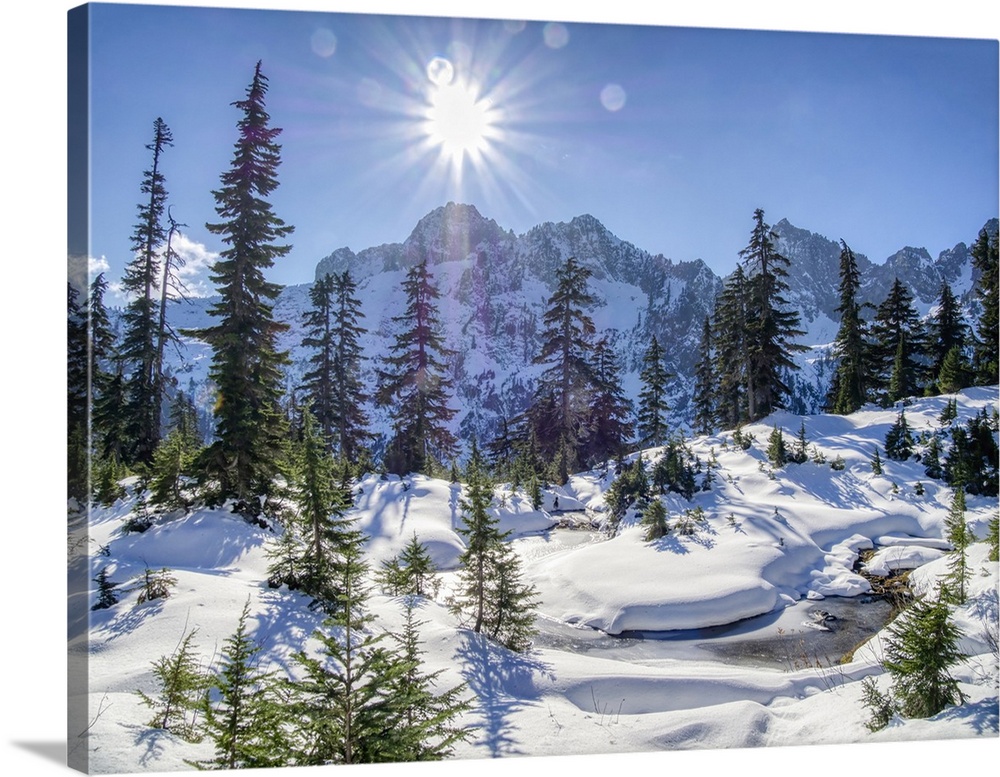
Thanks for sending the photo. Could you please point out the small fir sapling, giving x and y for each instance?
(106, 595)
(153, 585)
(776, 450)
(182, 686)
(881, 705)
(876, 463)
(654, 518)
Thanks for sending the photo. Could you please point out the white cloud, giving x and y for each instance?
(198, 261)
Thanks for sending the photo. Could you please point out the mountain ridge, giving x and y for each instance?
(494, 286)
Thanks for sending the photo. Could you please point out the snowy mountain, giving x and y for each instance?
(494, 286)
(756, 628)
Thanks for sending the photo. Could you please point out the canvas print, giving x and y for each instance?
(456, 388)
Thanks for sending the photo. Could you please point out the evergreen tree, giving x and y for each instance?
(140, 282)
(771, 325)
(318, 382)
(948, 334)
(106, 596)
(245, 722)
(350, 397)
(876, 463)
(948, 413)
(955, 584)
(654, 518)
(174, 457)
(78, 398)
(932, 459)
(101, 336)
(705, 381)
(729, 333)
(341, 711)
(899, 440)
(565, 388)
(512, 601)
(921, 647)
(849, 390)
(482, 534)
(972, 461)
(426, 730)
(898, 346)
(244, 459)
(673, 470)
(322, 503)
(801, 454)
(993, 538)
(653, 409)
(629, 488)
(610, 428)
(954, 373)
(411, 572)
(986, 263)
(416, 384)
(776, 450)
(182, 685)
(491, 594)
(333, 385)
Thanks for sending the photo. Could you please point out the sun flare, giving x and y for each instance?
(459, 122)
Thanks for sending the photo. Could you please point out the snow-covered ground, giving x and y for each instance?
(776, 542)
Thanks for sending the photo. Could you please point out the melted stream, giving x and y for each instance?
(802, 634)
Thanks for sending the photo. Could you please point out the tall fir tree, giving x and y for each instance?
(729, 332)
(948, 335)
(849, 388)
(610, 425)
(898, 347)
(771, 326)
(352, 430)
(705, 382)
(653, 409)
(564, 392)
(318, 382)
(416, 383)
(140, 283)
(244, 460)
(986, 263)
(78, 397)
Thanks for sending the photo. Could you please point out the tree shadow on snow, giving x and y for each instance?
(503, 682)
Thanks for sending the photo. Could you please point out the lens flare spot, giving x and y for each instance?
(555, 35)
(613, 97)
(324, 42)
(440, 72)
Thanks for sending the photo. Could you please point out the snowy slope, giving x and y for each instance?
(789, 550)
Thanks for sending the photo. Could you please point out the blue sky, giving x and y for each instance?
(670, 136)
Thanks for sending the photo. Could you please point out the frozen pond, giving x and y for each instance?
(803, 634)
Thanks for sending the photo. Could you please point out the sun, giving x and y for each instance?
(457, 120)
